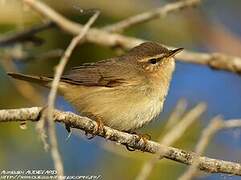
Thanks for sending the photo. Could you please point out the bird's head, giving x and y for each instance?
(154, 60)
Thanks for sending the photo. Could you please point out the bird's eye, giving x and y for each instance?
(152, 61)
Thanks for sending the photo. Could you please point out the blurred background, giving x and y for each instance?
(214, 26)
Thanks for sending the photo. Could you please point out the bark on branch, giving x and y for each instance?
(89, 126)
(162, 11)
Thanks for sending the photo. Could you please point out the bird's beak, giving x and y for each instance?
(172, 53)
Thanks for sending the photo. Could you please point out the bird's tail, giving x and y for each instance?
(41, 80)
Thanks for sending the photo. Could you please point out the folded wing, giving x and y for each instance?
(108, 73)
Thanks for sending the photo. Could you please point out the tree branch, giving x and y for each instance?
(89, 126)
(152, 14)
(214, 60)
(25, 35)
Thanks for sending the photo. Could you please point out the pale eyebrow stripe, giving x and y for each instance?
(152, 57)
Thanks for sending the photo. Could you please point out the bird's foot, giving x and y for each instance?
(68, 129)
(100, 125)
(143, 137)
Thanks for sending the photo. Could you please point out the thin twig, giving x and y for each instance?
(151, 14)
(89, 126)
(52, 95)
(24, 35)
(177, 131)
(177, 113)
(172, 136)
(215, 125)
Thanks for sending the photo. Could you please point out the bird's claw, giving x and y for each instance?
(68, 129)
(143, 137)
(99, 128)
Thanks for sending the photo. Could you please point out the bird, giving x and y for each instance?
(124, 92)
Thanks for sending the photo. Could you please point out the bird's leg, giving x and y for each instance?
(100, 124)
(144, 137)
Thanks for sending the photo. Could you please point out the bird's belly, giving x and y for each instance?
(132, 116)
(123, 109)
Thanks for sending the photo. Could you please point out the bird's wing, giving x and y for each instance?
(108, 73)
